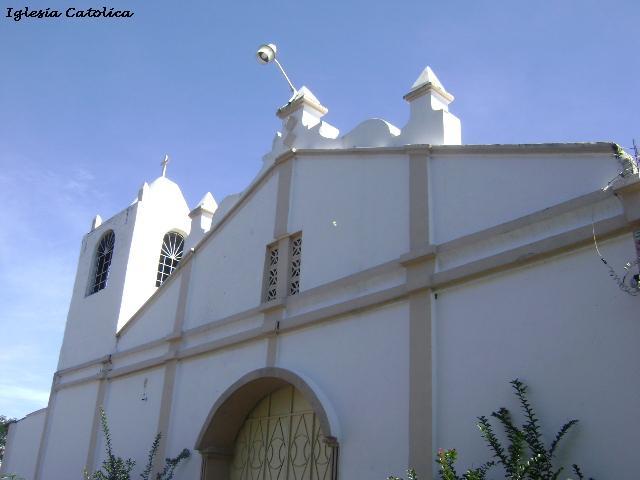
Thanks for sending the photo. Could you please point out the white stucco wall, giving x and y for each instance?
(361, 364)
(560, 325)
(474, 192)
(199, 383)
(529, 231)
(228, 270)
(132, 421)
(353, 212)
(161, 210)
(69, 432)
(155, 320)
(23, 442)
(564, 328)
(92, 319)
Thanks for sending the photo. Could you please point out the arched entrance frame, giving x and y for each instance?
(216, 440)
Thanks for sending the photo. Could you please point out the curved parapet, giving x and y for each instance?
(227, 203)
(374, 132)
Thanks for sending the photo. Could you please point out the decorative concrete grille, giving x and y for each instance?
(282, 443)
(103, 262)
(170, 256)
(272, 277)
(296, 262)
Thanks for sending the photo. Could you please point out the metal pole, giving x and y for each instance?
(285, 76)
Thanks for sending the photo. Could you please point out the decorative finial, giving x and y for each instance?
(97, 221)
(164, 165)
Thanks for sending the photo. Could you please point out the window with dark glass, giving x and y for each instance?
(170, 256)
(102, 263)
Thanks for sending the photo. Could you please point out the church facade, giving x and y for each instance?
(355, 308)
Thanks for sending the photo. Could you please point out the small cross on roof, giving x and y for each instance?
(164, 165)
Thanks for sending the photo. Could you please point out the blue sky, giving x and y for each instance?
(89, 107)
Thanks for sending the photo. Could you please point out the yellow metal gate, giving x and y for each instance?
(281, 440)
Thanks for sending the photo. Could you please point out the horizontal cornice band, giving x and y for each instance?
(509, 259)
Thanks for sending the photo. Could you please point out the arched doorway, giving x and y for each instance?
(269, 425)
(282, 439)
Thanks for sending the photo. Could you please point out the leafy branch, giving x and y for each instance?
(117, 468)
(524, 456)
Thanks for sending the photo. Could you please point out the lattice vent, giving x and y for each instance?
(296, 263)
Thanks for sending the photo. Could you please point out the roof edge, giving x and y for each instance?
(35, 412)
(497, 148)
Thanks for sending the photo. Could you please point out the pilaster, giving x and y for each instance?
(420, 265)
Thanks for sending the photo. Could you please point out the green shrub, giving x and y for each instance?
(4, 430)
(525, 455)
(117, 468)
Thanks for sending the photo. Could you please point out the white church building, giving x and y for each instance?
(355, 308)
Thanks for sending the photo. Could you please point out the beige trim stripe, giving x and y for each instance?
(531, 252)
(535, 217)
(87, 364)
(419, 267)
(246, 195)
(420, 384)
(181, 309)
(168, 383)
(272, 320)
(505, 260)
(272, 317)
(418, 205)
(285, 157)
(174, 277)
(420, 279)
(285, 171)
(90, 462)
(44, 439)
(283, 268)
(166, 404)
(510, 259)
(272, 350)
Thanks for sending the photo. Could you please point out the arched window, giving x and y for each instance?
(104, 253)
(170, 256)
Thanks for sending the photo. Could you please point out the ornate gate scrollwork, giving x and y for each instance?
(282, 440)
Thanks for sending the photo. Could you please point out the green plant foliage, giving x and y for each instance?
(525, 455)
(578, 472)
(4, 429)
(447, 459)
(628, 162)
(117, 468)
(152, 453)
(619, 152)
(171, 464)
(411, 475)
